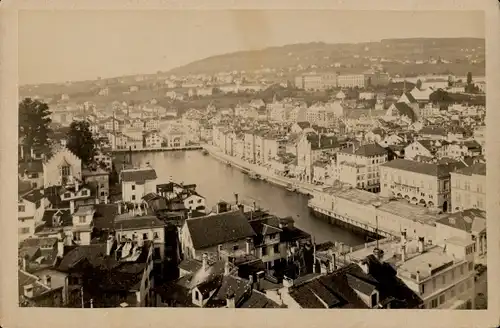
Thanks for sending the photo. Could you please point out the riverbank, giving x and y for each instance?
(265, 173)
(147, 150)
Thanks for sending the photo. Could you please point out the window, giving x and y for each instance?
(133, 187)
(452, 292)
(65, 171)
(145, 236)
(81, 219)
(264, 251)
(235, 247)
(433, 284)
(452, 275)
(21, 208)
(199, 201)
(442, 299)
(190, 202)
(103, 193)
(471, 266)
(434, 303)
(24, 230)
(156, 235)
(462, 269)
(276, 249)
(76, 236)
(196, 295)
(469, 284)
(133, 197)
(67, 195)
(422, 289)
(84, 192)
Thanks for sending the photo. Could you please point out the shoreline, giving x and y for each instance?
(162, 149)
(301, 187)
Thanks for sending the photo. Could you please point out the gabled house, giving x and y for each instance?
(227, 232)
(136, 183)
(32, 172)
(62, 168)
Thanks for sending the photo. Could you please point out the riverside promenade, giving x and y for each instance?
(264, 172)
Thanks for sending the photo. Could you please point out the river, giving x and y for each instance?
(217, 181)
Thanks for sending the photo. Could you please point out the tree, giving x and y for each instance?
(34, 130)
(81, 142)
(469, 78)
(419, 84)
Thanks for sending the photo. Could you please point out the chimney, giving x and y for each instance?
(230, 302)
(28, 290)
(109, 245)
(418, 276)
(242, 208)
(287, 282)
(71, 206)
(248, 244)
(227, 269)
(254, 206)
(250, 280)
(60, 248)
(204, 262)
(403, 252)
(421, 245)
(403, 236)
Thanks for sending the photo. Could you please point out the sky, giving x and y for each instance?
(58, 46)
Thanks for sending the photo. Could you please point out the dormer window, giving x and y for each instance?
(81, 219)
(374, 299)
(65, 170)
(67, 195)
(84, 192)
(21, 208)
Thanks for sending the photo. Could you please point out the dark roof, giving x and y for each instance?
(66, 219)
(217, 229)
(105, 215)
(33, 166)
(404, 109)
(472, 144)
(433, 130)
(33, 196)
(322, 141)
(190, 265)
(139, 175)
(367, 150)
(25, 279)
(231, 285)
(304, 125)
(258, 300)
(23, 187)
(410, 97)
(338, 289)
(137, 222)
(476, 169)
(438, 170)
(463, 220)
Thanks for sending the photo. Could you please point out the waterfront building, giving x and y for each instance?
(359, 166)
(230, 232)
(421, 183)
(152, 124)
(136, 183)
(175, 139)
(153, 140)
(468, 188)
(310, 148)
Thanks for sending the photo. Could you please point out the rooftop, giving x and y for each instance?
(438, 170)
(138, 175)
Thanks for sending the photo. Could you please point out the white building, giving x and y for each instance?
(61, 167)
(136, 183)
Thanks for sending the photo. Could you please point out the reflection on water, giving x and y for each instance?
(216, 181)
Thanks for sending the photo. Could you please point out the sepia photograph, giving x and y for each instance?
(256, 159)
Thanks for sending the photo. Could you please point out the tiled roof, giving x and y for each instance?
(367, 150)
(190, 265)
(218, 229)
(410, 97)
(472, 144)
(231, 285)
(66, 219)
(25, 279)
(33, 196)
(406, 110)
(23, 187)
(105, 215)
(322, 141)
(258, 300)
(433, 130)
(304, 125)
(138, 222)
(139, 175)
(464, 220)
(476, 169)
(438, 170)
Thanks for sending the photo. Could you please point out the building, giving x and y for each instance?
(312, 147)
(31, 172)
(427, 184)
(103, 158)
(470, 225)
(61, 168)
(136, 183)
(98, 180)
(228, 231)
(359, 166)
(468, 188)
(36, 292)
(116, 273)
(153, 140)
(423, 147)
(351, 80)
(367, 284)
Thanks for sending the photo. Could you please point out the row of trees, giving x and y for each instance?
(35, 132)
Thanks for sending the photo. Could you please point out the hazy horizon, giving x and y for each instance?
(59, 46)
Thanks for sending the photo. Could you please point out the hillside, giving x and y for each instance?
(324, 55)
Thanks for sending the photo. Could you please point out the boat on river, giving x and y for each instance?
(290, 187)
(253, 175)
(204, 152)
